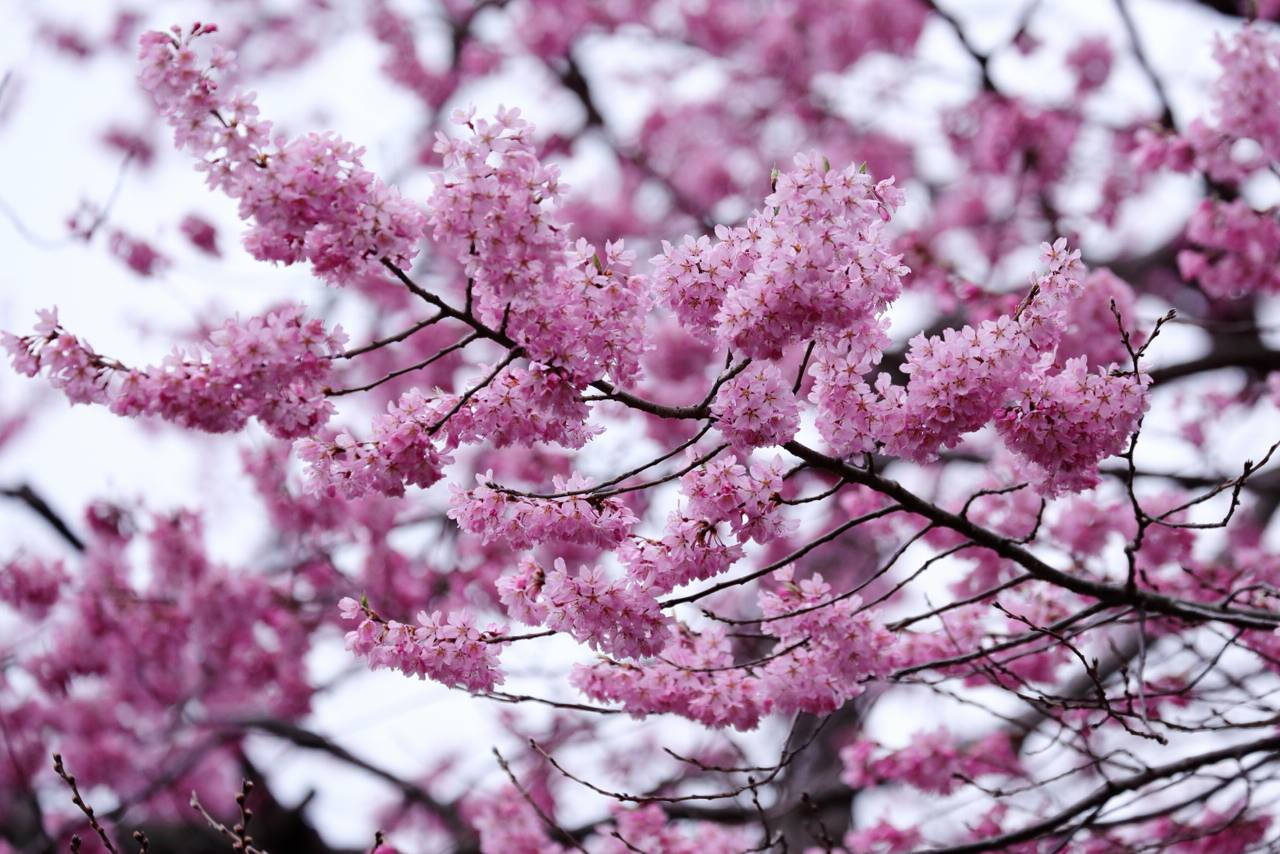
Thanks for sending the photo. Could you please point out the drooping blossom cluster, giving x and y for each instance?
(494, 210)
(521, 521)
(447, 649)
(695, 676)
(963, 379)
(935, 761)
(813, 264)
(273, 367)
(310, 198)
(1236, 250)
(615, 616)
(1064, 423)
(30, 585)
(835, 644)
(692, 546)
(401, 450)
(756, 408)
(1250, 63)
(826, 648)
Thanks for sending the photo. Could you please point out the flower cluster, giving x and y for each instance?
(934, 762)
(1091, 60)
(812, 264)
(748, 499)
(507, 821)
(827, 647)
(523, 521)
(834, 645)
(495, 210)
(201, 233)
(756, 408)
(695, 677)
(271, 367)
(1243, 93)
(137, 254)
(1092, 329)
(1065, 423)
(31, 586)
(1237, 250)
(692, 546)
(521, 406)
(1199, 148)
(401, 450)
(957, 382)
(689, 549)
(449, 650)
(615, 616)
(308, 198)
(966, 378)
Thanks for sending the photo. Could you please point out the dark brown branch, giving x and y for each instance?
(33, 499)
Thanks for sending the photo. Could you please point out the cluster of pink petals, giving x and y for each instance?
(1091, 60)
(757, 408)
(692, 546)
(271, 367)
(1237, 250)
(616, 616)
(724, 490)
(201, 233)
(835, 645)
(1199, 148)
(401, 450)
(1064, 423)
(1002, 136)
(308, 198)
(498, 515)
(811, 265)
(31, 586)
(836, 33)
(449, 650)
(1092, 330)
(1244, 93)
(137, 254)
(689, 549)
(957, 382)
(935, 761)
(964, 379)
(506, 821)
(826, 649)
(1230, 831)
(695, 677)
(410, 443)
(882, 837)
(123, 643)
(495, 210)
(523, 406)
